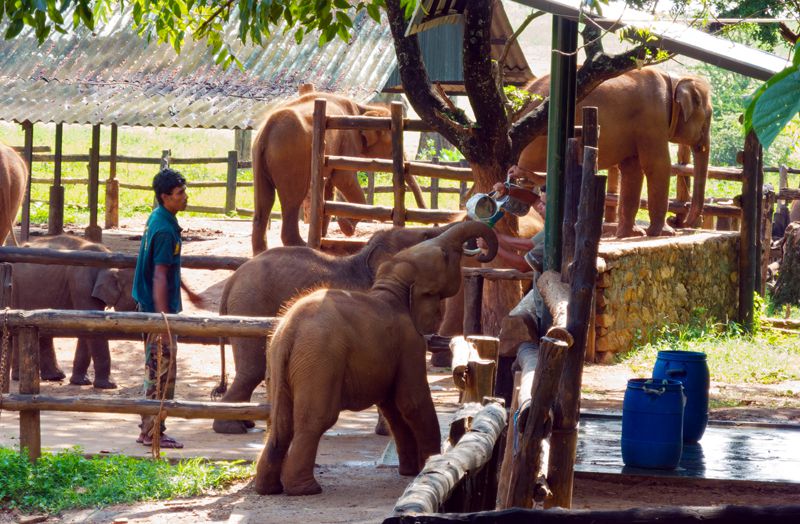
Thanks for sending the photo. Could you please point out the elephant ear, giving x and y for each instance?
(107, 287)
(685, 98)
(372, 137)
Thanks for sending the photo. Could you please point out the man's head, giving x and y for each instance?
(170, 188)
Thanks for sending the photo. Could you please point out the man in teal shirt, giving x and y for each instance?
(157, 289)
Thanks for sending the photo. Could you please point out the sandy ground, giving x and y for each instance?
(357, 486)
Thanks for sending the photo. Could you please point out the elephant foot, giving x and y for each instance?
(230, 427)
(268, 487)
(408, 470)
(79, 380)
(310, 487)
(249, 424)
(635, 231)
(382, 427)
(53, 376)
(442, 359)
(665, 231)
(104, 384)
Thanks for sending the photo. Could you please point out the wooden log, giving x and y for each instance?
(93, 231)
(317, 182)
(461, 424)
(30, 435)
(112, 185)
(385, 214)
(748, 246)
(146, 160)
(96, 259)
(5, 342)
(398, 167)
(732, 174)
(112, 321)
(358, 122)
(527, 475)
(572, 189)
(681, 208)
(673, 515)
(785, 323)
(493, 273)
(479, 379)
(473, 303)
(230, 183)
(35, 149)
(370, 186)
(767, 208)
(789, 194)
(172, 408)
(55, 216)
(566, 412)
(446, 172)
(508, 446)
(27, 156)
(485, 346)
(461, 350)
(442, 473)
(555, 295)
(440, 171)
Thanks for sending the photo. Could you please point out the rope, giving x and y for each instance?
(161, 394)
(4, 358)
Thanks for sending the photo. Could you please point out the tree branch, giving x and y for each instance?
(453, 125)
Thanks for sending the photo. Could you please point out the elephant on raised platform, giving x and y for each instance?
(338, 350)
(282, 162)
(39, 286)
(265, 284)
(640, 113)
(13, 181)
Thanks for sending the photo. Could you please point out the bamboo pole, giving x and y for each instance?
(172, 408)
(317, 213)
(96, 322)
(566, 412)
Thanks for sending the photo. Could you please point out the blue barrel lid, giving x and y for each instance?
(684, 356)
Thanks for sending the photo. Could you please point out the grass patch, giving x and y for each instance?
(765, 357)
(69, 480)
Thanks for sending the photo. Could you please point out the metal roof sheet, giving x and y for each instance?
(115, 76)
(676, 37)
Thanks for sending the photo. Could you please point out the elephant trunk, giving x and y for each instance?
(464, 231)
(700, 152)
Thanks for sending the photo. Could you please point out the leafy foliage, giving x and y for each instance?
(70, 480)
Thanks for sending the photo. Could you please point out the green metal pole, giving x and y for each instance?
(560, 127)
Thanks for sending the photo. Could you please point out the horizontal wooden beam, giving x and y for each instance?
(172, 408)
(443, 171)
(91, 322)
(496, 274)
(733, 174)
(384, 214)
(681, 208)
(95, 259)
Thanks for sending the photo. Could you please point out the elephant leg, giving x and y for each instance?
(347, 183)
(80, 364)
(48, 363)
(413, 399)
(290, 229)
(657, 169)
(102, 363)
(327, 195)
(264, 200)
(249, 357)
(382, 426)
(313, 413)
(629, 193)
(407, 452)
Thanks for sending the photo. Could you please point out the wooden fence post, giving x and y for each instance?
(473, 300)
(164, 164)
(30, 436)
(572, 190)
(371, 188)
(230, 187)
(5, 344)
(27, 155)
(55, 217)
(317, 183)
(242, 143)
(112, 184)
(398, 166)
(93, 232)
(748, 237)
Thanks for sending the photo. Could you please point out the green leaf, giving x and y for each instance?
(796, 57)
(777, 105)
(374, 12)
(14, 28)
(343, 19)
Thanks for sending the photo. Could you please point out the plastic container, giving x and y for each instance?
(691, 369)
(652, 423)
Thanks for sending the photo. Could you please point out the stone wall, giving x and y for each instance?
(644, 284)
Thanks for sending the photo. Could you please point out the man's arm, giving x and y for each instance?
(161, 288)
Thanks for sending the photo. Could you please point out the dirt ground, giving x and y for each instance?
(357, 485)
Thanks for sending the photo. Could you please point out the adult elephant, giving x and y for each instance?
(340, 350)
(640, 113)
(38, 286)
(282, 162)
(13, 180)
(265, 284)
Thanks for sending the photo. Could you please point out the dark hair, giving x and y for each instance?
(165, 181)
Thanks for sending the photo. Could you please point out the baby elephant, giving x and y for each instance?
(336, 349)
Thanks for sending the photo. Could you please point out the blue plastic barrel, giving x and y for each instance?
(652, 423)
(691, 369)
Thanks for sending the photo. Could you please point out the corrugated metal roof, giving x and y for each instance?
(115, 76)
(676, 37)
